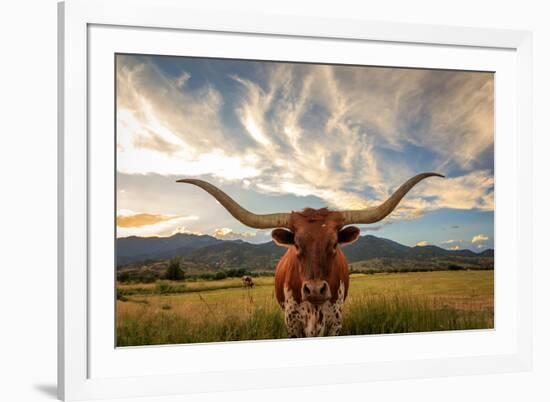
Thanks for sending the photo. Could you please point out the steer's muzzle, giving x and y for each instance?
(316, 291)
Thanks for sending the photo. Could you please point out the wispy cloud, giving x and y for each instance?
(470, 191)
(167, 129)
(374, 228)
(347, 136)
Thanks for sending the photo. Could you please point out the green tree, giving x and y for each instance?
(174, 271)
(220, 275)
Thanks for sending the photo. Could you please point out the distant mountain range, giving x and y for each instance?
(216, 253)
(135, 249)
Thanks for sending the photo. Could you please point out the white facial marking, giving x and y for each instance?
(308, 320)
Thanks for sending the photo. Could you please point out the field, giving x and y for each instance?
(169, 312)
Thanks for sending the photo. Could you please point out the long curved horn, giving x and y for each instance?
(371, 215)
(280, 220)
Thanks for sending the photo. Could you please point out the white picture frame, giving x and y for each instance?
(90, 367)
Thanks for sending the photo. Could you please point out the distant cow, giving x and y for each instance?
(312, 278)
(247, 281)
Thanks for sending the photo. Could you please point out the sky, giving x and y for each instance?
(280, 136)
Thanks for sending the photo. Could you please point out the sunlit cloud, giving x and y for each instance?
(345, 136)
(255, 131)
(479, 237)
(423, 243)
(164, 128)
(142, 219)
(130, 223)
(452, 241)
(471, 191)
(229, 234)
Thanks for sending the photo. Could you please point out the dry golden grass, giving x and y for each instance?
(379, 303)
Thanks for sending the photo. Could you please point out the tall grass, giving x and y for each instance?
(409, 313)
(243, 314)
(171, 328)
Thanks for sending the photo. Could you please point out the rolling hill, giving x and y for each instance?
(204, 250)
(137, 249)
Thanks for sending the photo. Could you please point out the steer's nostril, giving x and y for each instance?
(323, 289)
(306, 290)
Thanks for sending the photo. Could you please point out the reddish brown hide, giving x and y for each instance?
(314, 257)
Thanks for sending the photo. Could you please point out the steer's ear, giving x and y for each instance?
(283, 237)
(348, 235)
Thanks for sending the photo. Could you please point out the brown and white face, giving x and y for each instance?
(315, 238)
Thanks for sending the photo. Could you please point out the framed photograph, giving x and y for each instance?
(254, 201)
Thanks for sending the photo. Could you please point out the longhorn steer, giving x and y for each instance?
(312, 278)
(247, 281)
